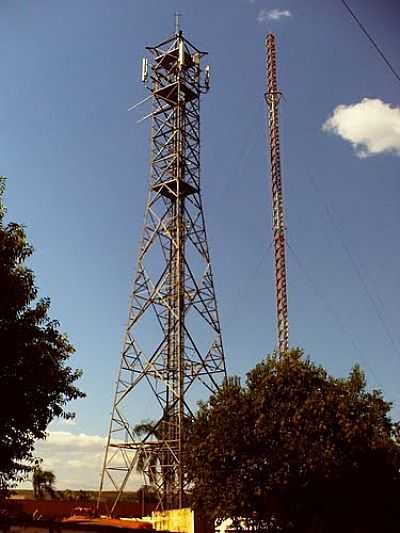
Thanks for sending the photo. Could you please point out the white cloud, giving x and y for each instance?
(273, 14)
(75, 458)
(371, 126)
(67, 440)
(60, 422)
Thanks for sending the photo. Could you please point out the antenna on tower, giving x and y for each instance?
(207, 77)
(177, 22)
(272, 97)
(145, 69)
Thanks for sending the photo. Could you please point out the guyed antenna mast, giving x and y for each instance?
(272, 97)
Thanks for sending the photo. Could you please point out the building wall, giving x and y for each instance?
(177, 520)
(181, 521)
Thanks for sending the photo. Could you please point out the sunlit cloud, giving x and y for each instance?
(75, 458)
(272, 14)
(371, 126)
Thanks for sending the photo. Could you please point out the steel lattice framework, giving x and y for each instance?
(173, 344)
(278, 221)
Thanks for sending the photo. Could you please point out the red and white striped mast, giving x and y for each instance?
(272, 97)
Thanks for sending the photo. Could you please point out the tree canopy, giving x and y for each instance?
(296, 449)
(43, 482)
(35, 380)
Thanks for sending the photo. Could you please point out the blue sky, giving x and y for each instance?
(77, 166)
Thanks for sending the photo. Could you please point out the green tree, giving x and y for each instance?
(36, 382)
(67, 495)
(84, 497)
(297, 450)
(148, 461)
(43, 482)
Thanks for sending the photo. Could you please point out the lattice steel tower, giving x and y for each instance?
(278, 222)
(173, 346)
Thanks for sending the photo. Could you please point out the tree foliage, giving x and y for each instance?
(43, 482)
(36, 382)
(83, 497)
(148, 462)
(295, 449)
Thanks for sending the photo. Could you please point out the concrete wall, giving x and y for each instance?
(181, 521)
(177, 520)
